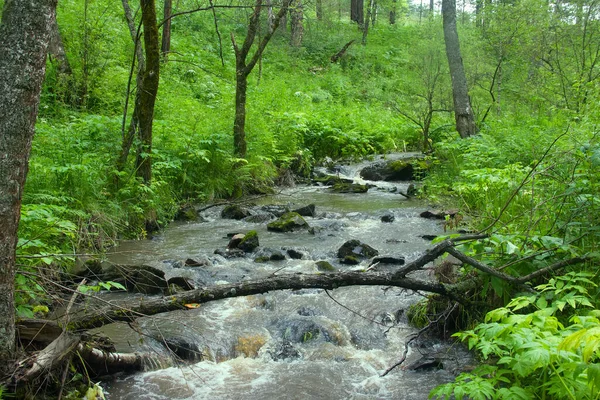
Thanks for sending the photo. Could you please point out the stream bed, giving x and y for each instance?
(304, 344)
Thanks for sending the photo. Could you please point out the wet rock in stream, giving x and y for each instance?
(306, 211)
(388, 217)
(247, 242)
(187, 212)
(394, 170)
(295, 254)
(268, 254)
(353, 251)
(288, 222)
(234, 211)
(350, 188)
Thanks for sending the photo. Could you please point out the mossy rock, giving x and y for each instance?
(325, 266)
(330, 180)
(408, 169)
(186, 212)
(288, 222)
(262, 259)
(349, 188)
(249, 242)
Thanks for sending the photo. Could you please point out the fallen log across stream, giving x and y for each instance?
(70, 338)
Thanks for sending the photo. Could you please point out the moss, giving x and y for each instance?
(249, 242)
(325, 266)
(398, 165)
(349, 188)
(288, 222)
(262, 259)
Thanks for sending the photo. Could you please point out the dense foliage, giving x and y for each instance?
(530, 178)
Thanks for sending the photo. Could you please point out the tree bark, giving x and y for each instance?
(243, 68)
(296, 21)
(95, 318)
(357, 11)
(393, 12)
(24, 40)
(148, 95)
(463, 113)
(129, 135)
(368, 20)
(166, 37)
(56, 49)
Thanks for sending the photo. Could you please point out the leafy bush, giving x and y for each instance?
(550, 351)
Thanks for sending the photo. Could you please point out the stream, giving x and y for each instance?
(304, 344)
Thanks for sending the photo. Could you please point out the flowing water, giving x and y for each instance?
(306, 344)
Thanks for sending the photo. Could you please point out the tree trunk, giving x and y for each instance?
(239, 124)
(148, 95)
(319, 10)
(56, 49)
(357, 12)
(368, 20)
(127, 137)
(166, 38)
(24, 39)
(243, 68)
(296, 19)
(463, 113)
(393, 12)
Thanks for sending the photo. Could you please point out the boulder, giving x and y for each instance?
(260, 218)
(249, 242)
(186, 212)
(330, 180)
(235, 240)
(306, 211)
(288, 222)
(388, 217)
(274, 209)
(395, 170)
(354, 250)
(234, 211)
(267, 254)
(349, 188)
(295, 254)
(136, 278)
